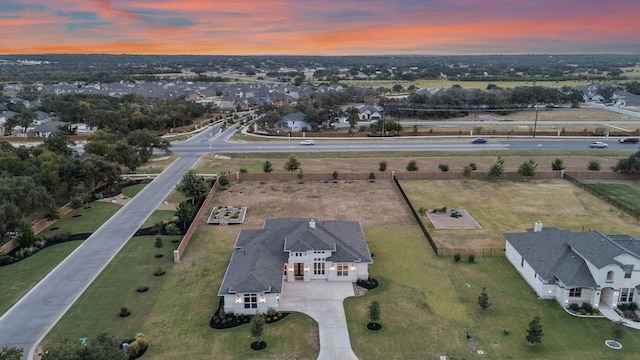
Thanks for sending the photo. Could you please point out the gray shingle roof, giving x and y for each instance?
(560, 254)
(257, 263)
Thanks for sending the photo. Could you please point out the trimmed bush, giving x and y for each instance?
(457, 257)
(471, 258)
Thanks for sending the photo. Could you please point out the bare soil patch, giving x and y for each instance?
(369, 203)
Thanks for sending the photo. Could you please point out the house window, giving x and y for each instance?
(575, 292)
(343, 269)
(609, 276)
(318, 266)
(628, 269)
(250, 301)
(626, 294)
(298, 254)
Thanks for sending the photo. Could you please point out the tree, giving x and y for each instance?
(292, 163)
(443, 167)
(466, 172)
(11, 353)
(374, 312)
(497, 168)
(557, 164)
(534, 332)
(617, 330)
(412, 166)
(594, 165)
(334, 176)
(267, 166)
(27, 238)
(143, 142)
(483, 299)
(257, 327)
(185, 213)
(382, 166)
(75, 203)
(528, 169)
(193, 186)
(101, 347)
(630, 164)
(372, 177)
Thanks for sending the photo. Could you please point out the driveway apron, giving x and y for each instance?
(323, 301)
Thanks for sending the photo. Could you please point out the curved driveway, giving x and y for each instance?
(29, 320)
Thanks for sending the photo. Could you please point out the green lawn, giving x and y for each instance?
(89, 220)
(428, 303)
(18, 278)
(132, 190)
(175, 312)
(157, 216)
(624, 193)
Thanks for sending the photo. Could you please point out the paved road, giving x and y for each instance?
(28, 321)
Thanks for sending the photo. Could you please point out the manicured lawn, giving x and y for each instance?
(175, 313)
(175, 197)
(157, 216)
(626, 194)
(89, 221)
(132, 190)
(428, 303)
(18, 278)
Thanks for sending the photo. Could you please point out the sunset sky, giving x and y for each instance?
(319, 27)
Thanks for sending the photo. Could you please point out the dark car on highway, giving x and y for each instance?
(478, 141)
(629, 140)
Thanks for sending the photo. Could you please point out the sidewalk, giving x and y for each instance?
(323, 301)
(612, 315)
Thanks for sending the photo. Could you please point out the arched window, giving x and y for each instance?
(610, 276)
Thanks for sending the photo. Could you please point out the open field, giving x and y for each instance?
(367, 162)
(513, 206)
(437, 302)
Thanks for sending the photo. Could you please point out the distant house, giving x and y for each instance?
(47, 128)
(294, 122)
(369, 112)
(577, 267)
(291, 250)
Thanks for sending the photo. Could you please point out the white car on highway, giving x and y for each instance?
(307, 142)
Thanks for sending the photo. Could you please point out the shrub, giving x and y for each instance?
(587, 307)
(582, 311)
(633, 306)
(372, 176)
(172, 229)
(443, 167)
(243, 170)
(574, 307)
(124, 311)
(334, 175)
(422, 210)
(471, 258)
(382, 166)
(412, 166)
(457, 257)
(594, 165)
(557, 164)
(158, 243)
(473, 166)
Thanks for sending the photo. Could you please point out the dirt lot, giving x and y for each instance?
(371, 204)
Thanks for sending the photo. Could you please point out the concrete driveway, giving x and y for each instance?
(323, 301)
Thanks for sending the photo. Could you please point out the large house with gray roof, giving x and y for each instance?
(291, 249)
(577, 267)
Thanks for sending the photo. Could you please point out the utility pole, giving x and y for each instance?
(535, 123)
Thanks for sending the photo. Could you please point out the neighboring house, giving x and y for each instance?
(290, 250)
(294, 122)
(577, 267)
(47, 128)
(369, 112)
